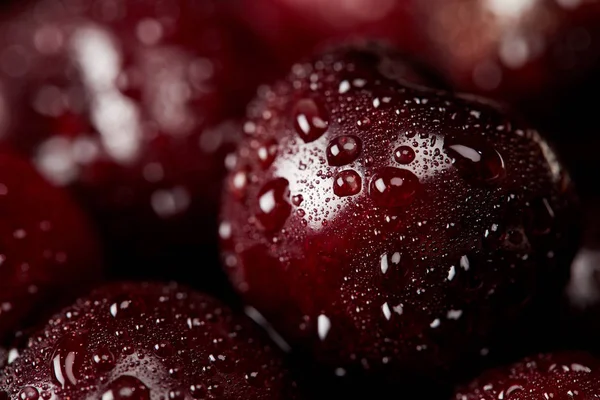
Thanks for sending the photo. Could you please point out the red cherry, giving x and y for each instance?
(171, 343)
(124, 104)
(556, 376)
(48, 252)
(526, 51)
(373, 262)
(291, 29)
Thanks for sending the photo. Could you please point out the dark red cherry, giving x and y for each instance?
(527, 52)
(48, 251)
(290, 29)
(377, 263)
(553, 376)
(139, 136)
(172, 344)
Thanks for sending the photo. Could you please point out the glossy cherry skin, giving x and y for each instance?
(386, 265)
(155, 340)
(124, 103)
(518, 50)
(568, 375)
(48, 250)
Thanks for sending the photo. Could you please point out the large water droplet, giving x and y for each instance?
(273, 204)
(29, 393)
(476, 160)
(310, 120)
(347, 183)
(67, 360)
(404, 155)
(393, 187)
(127, 387)
(343, 150)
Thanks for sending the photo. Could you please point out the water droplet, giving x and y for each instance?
(103, 359)
(253, 378)
(393, 187)
(404, 155)
(127, 387)
(310, 120)
(363, 123)
(323, 326)
(297, 200)
(347, 183)
(29, 393)
(238, 182)
(267, 153)
(163, 349)
(198, 391)
(126, 306)
(475, 160)
(67, 360)
(343, 150)
(176, 394)
(273, 203)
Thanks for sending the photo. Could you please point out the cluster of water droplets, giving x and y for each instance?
(144, 342)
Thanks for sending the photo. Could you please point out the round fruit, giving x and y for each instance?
(120, 102)
(291, 29)
(518, 50)
(545, 376)
(48, 251)
(147, 341)
(385, 226)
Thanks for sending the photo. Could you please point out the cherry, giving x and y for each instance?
(291, 29)
(398, 229)
(127, 105)
(518, 50)
(48, 251)
(568, 375)
(143, 341)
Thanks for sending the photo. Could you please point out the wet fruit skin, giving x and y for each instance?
(124, 103)
(567, 375)
(153, 340)
(403, 267)
(48, 250)
(517, 50)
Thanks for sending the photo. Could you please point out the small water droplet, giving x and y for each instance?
(347, 183)
(404, 155)
(127, 387)
(267, 153)
(198, 391)
(363, 123)
(393, 187)
(310, 120)
(297, 200)
(343, 150)
(103, 359)
(475, 160)
(163, 349)
(238, 182)
(273, 204)
(126, 306)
